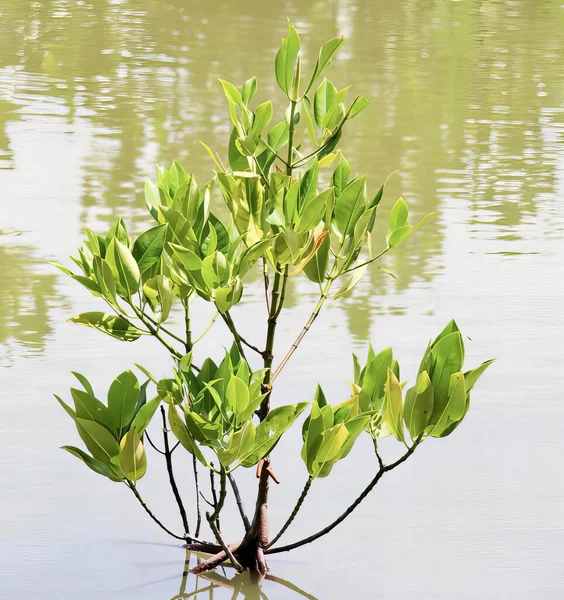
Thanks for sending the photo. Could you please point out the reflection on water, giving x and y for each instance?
(225, 583)
(468, 106)
(467, 103)
(28, 295)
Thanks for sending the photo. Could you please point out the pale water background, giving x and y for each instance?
(468, 104)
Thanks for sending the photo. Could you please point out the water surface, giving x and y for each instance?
(468, 106)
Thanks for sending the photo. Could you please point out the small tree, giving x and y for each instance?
(287, 217)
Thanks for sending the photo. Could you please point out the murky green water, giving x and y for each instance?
(468, 105)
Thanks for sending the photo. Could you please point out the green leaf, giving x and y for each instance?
(84, 382)
(231, 92)
(341, 175)
(145, 414)
(314, 211)
(448, 358)
(105, 279)
(473, 375)
(332, 441)
(149, 247)
(393, 415)
(350, 205)
(101, 443)
(455, 408)
(132, 457)
(278, 135)
(419, 405)
(237, 395)
(316, 268)
(124, 267)
(322, 101)
(89, 407)
(96, 465)
(159, 292)
(358, 106)
(326, 53)
(152, 198)
(269, 431)
(182, 434)
(249, 90)
(351, 282)
(116, 327)
(239, 443)
(286, 59)
(398, 215)
(396, 237)
(263, 116)
(122, 400)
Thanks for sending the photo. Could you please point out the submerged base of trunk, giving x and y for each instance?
(248, 553)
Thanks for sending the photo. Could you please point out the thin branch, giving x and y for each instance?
(164, 329)
(380, 461)
(282, 292)
(351, 508)
(266, 283)
(238, 337)
(239, 502)
(207, 328)
(197, 485)
(154, 332)
(132, 487)
(207, 501)
(172, 480)
(366, 262)
(293, 514)
(234, 561)
(306, 328)
(188, 344)
(214, 496)
(153, 445)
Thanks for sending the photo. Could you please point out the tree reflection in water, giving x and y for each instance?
(243, 585)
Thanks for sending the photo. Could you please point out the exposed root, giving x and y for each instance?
(248, 554)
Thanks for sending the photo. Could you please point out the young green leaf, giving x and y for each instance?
(326, 54)
(393, 415)
(114, 326)
(122, 400)
(132, 457)
(149, 247)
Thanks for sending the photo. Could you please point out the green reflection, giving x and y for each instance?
(466, 103)
(239, 585)
(28, 294)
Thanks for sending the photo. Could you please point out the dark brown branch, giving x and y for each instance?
(239, 502)
(196, 483)
(174, 487)
(350, 509)
(294, 512)
(132, 487)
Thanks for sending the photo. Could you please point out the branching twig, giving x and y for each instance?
(153, 445)
(207, 328)
(132, 487)
(294, 513)
(239, 341)
(306, 328)
(351, 508)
